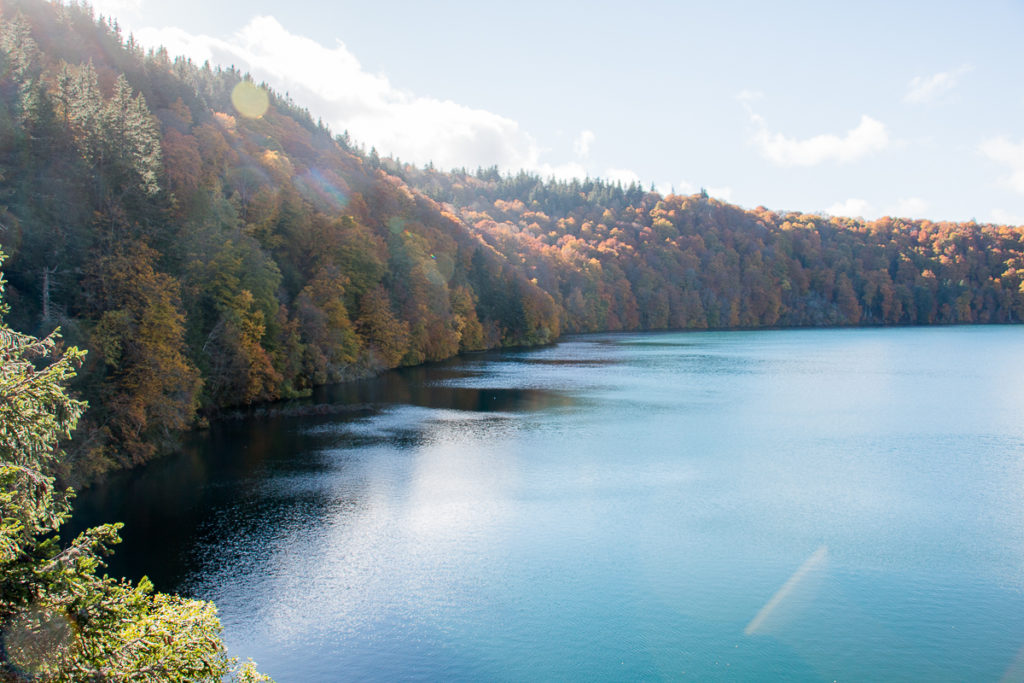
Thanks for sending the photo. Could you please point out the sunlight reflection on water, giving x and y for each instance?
(626, 506)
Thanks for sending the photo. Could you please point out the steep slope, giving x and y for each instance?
(212, 245)
(615, 258)
(209, 259)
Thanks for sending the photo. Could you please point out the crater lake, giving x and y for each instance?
(787, 504)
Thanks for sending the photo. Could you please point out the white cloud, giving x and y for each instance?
(855, 207)
(566, 171)
(683, 187)
(622, 175)
(115, 8)
(686, 187)
(1011, 154)
(574, 169)
(852, 208)
(332, 83)
(927, 88)
(582, 143)
(868, 137)
(908, 207)
(1006, 217)
(723, 193)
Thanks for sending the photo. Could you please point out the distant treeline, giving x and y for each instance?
(615, 258)
(209, 260)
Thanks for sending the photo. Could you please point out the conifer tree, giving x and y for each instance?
(59, 619)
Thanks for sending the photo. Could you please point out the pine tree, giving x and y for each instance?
(60, 620)
(132, 138)
(22, 63)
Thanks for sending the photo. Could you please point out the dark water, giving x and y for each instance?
(819, 505)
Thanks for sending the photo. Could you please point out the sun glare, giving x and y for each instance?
(33, 642)
(250, 100)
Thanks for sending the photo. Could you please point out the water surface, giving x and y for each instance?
(815, 505)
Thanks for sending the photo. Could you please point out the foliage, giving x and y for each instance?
(59, 619)
(150, 388)
(208, 259)
(615, 258)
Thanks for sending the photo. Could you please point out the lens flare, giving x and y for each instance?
(250, 100)
(35, 641)
(813, 563)
(1015, 672)
(396, 225)
(315, 186)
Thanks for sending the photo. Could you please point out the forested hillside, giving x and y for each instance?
(615, 258)
(211, 252)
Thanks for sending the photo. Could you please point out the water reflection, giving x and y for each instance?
(443, 386)
(617, 507)
(278, 453)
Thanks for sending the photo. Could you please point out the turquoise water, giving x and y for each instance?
(798, 505)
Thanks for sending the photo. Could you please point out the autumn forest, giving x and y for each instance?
(209, 259)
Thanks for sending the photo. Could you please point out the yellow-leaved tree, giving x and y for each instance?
(60, 620)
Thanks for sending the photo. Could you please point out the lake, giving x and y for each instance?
(786, 504)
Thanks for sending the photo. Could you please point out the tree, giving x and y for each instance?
(331, 341)
(132, 141)
(60, 620)
(386, 337)
(22, 58)
(151, 387)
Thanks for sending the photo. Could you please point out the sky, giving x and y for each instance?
(864, 109)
